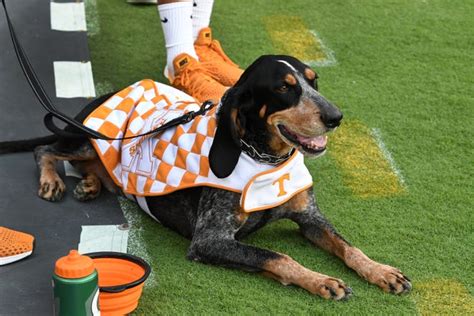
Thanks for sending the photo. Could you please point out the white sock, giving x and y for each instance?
(202, 10)
(177, 28)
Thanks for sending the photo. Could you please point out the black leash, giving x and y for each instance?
(83, 131)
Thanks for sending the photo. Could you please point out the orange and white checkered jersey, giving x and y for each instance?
(178, 157)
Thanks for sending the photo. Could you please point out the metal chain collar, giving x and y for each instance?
(263, 157)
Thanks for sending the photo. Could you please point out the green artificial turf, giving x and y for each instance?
(403, 67)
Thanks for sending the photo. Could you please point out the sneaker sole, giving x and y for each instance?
(10, 259)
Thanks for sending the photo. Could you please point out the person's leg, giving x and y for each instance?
(202, 10)
(183, 68)
(176, 22)
(219, 66)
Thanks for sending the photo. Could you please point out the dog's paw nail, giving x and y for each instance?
(348, 291)
(407, 286)
(44, 189)
(392, 288)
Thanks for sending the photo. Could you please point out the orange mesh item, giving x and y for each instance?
(214, 60)
(116, 272)
(192, 78)
(74, 266)
(14, 245)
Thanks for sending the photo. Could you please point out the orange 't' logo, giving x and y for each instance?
(281, 185)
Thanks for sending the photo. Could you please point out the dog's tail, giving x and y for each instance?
(17, 146)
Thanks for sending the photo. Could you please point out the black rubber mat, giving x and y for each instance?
(25, 286)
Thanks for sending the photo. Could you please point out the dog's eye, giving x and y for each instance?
(283, 88)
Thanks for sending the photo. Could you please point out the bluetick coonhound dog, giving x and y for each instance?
(274, 108)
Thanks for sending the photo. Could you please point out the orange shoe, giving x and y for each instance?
(14, 245)
(213, 58)
(192, 78)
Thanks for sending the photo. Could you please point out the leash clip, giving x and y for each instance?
(205, 106)
(188, 117)
(191, 115)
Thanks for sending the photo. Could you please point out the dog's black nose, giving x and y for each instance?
(329, 113)
(333, 119)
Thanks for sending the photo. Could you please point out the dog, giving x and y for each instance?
(273, 113)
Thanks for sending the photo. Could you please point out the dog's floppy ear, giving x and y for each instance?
(225, 150)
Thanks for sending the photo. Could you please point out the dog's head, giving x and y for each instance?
(275, 107)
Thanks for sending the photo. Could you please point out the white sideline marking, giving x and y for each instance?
(137, 240)
(73, 79)
(378, 139)
(103, 238)
(330, 59)
(68, 16)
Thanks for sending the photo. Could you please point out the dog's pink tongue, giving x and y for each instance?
(318, 141)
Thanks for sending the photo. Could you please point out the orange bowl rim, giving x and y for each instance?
(122, 256)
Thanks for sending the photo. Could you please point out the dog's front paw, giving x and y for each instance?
(51, 188)
(331, 288)
(390, 279)
(87, 189)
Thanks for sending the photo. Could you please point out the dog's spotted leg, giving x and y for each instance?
(234, 254)
(52, 187)
(88, 188)
(213, 242)
(316, 228)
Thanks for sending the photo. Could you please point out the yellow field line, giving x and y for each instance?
(366, 170)
(443, 297)
(290, 36)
